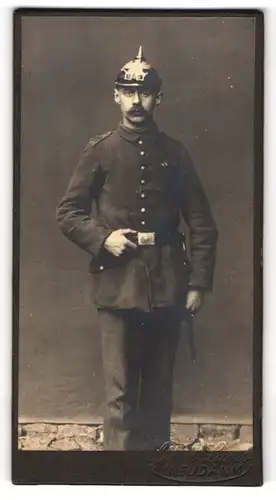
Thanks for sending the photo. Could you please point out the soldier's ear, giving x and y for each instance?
(116, 96)
(159, 98)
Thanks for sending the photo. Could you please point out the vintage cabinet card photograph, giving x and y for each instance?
(138, 169)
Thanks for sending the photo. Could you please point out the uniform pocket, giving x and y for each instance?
(106, 260)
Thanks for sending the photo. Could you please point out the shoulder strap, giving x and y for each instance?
(98, 138)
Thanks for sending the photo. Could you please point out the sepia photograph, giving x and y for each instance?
(137, 273)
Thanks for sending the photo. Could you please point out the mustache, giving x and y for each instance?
(137, 110)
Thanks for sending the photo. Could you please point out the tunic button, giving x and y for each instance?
(143, 209)
(140, 142)
(142, 195)
(101, 268)
(142, 153)
(143, 181)
(143, 167)
(143, 222)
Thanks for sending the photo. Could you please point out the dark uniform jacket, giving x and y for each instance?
(143, 182)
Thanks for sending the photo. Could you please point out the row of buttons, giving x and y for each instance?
(143, 182)
(142, 194)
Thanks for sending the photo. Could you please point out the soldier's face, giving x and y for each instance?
(137, 104)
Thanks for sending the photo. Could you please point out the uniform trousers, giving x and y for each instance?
(138, 353)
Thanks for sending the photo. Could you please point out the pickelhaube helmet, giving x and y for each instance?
(139, 72)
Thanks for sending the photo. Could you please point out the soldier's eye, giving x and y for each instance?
(128, 93)
(145, 94)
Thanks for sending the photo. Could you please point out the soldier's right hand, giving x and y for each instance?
(116, 243)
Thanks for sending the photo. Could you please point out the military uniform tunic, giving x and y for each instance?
(143, 181)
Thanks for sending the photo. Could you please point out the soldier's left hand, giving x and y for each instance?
(194, 301)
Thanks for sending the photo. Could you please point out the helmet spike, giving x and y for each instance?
(140, 55)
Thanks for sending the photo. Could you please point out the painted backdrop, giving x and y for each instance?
(68, 69)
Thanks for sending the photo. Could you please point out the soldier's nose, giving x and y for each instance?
(136, 97)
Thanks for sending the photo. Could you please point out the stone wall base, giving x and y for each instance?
(79, 437)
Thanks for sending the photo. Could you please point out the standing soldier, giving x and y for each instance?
(141, 181)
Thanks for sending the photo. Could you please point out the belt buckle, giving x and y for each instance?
(146, 239)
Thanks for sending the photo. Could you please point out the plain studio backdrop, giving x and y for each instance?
(68, 68)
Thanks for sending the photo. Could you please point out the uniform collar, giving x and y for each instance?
(150, 132)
